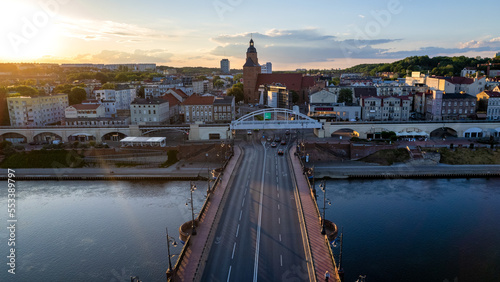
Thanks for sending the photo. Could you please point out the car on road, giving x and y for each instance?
(249, 132)
(269, 139)
(287, 132)
(283, 142)
(273, 145)
(280, 152)
(277, 139)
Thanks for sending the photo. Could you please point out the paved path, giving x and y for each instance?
(193, 256)
(319, 246)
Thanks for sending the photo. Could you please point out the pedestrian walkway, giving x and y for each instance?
(196, 251)
(320, 249)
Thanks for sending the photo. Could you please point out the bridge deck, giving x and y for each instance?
(320, 249)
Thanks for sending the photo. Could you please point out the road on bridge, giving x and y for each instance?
(258, 237)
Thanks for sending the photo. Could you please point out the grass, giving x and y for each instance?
(461, 156)
(44, 159)
(387, 157)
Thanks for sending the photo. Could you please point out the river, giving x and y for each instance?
(394, 230)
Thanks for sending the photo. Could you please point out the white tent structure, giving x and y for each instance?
(144, 141)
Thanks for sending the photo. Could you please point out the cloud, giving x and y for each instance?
(310, 45)
(299, 46)
(116, 57)
(101, 30)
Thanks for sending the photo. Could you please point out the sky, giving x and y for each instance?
(291, 34)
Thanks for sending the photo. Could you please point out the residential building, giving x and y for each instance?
(224, 66)
(121, 97)
(472, 86)
(149, 111)
(173, 107)
(323, 104)
(468, 72)
(84, 111)
(371, 108)
(178, 94)
(266, 68)
(396, 108)
(493, 112)
(36, 111)
(198, 108)
(451, 106)
(224, 109)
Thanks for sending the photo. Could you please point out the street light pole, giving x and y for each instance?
(208, 175)
(193, 231)
(172, 241)
(323, 187)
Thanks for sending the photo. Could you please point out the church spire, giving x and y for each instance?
(251, 49)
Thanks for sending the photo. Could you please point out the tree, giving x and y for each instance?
(219, 83)
(108, 85)
(345, 96)
(140, 92)
(77, 95)
(335, 81)
(237, 77)
(25, 90)
(237, 92)
(102, 77)
(121, 77)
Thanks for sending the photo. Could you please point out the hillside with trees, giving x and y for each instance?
(440, 66)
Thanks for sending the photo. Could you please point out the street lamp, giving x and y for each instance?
(323, 188)
(170, 240)
(193, 229)
(208, 175)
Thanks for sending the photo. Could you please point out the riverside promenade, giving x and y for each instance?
(322, 257)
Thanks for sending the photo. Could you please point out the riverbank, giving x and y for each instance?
(322, 170)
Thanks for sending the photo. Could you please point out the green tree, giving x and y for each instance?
(63, 88)
(335, 81)
(345, 96)
(237, 77)
(237, 92)
(121, 77)
(108, 85)
(25, 90)
(140, 92)
(102, 77)
(77, 95)
(219, 83)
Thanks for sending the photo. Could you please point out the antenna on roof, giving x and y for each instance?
(251, 35)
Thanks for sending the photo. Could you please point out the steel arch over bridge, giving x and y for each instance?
(275, 118)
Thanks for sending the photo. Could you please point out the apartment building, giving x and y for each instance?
(493, 112)
(224, 109)
(36, 111)
(122, 98)
(198, 108)
(451, 106)
(149, 111)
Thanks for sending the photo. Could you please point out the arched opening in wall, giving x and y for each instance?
(444, 132)
(214, 136)
(474, 132)
(14, 138)
(81, 137)
(46, 138)
(113, 136)
(345, 133)
(375, 133)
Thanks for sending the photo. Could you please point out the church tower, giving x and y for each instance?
(251, 70)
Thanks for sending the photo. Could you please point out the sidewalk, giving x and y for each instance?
(320, 249)
(192, 260)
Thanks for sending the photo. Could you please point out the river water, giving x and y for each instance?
(417, 230)
(95, 230)
(394, 230)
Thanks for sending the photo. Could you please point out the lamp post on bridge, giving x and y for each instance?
(170, 240)
(193, 227)
(323, 188)
(208, 174)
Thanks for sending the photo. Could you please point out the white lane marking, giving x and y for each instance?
(280, 237)
(279, 220)
(243, 202)
(278, 195)
(281, 260)
(240, 214)
(257, 242)
(237, 231)
(245, 192)
(278, 206)
(229, 274)
(234, 247)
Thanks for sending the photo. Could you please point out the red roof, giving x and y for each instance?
(172, 101)
(460, 80)
(199, 100)
(86, 106)
(180, 92)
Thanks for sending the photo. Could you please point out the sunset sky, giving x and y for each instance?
(290, 34)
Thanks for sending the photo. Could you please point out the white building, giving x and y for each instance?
(149, 111)
(493, 112)
(467, 72)
(122, 98)
(36, 111)
(266, 68)
(84, 111)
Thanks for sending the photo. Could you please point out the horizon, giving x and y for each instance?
(200, 33)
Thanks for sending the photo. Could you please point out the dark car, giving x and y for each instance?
(287, 132)
(273, 145)
(277, 139)
(280, 152)
(283, 142)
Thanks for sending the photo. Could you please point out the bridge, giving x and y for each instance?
(465, 129)
(275, 118)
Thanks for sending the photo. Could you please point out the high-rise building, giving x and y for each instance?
(267, 68)
(224, 66)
